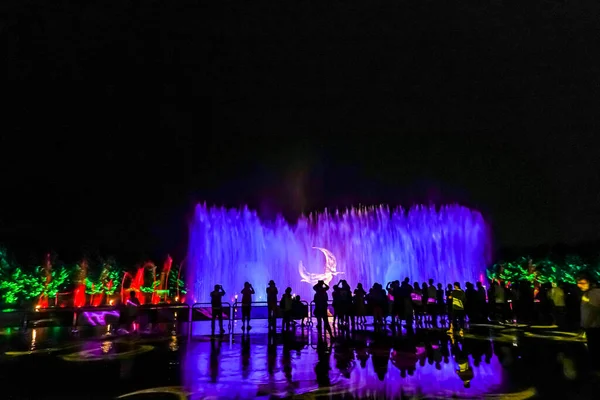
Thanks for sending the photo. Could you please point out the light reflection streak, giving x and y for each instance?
(96, 355)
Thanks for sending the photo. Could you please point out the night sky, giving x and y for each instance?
(121, 115)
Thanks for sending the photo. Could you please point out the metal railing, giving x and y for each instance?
(204, 312)
(260, 310)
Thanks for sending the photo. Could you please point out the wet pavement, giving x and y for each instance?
(176, 362)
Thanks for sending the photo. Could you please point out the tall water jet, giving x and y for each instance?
(47, 270)
(79, 299)
(367, 245)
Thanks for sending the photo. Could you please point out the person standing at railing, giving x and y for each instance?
(272, 304)
(128, 314)
(247, 293)
(216, 301)
(590, 319)
(321, 303)
(557, 298)
(459, 301)
(286, 310)
(359, 304)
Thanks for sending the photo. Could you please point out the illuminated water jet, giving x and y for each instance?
(375, 244)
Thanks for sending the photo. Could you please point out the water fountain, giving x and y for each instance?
(152, 286)
(79, 298)
(136, 282)
(43, 301)
(367, 245)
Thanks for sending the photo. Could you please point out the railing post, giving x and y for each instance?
(311, 307)
(229, 324)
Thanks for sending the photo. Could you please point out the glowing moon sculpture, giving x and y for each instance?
(327, 276)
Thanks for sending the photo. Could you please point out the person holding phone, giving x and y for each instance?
(247, 293)
(216, 301)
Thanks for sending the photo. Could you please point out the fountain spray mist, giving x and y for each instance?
(367, 245)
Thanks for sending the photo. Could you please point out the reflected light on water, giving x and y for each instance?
(33, 338)
(215, 369)
(106, 347)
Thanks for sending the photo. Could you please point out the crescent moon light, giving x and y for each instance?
(327, 275)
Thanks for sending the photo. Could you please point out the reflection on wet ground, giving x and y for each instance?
(489, 361)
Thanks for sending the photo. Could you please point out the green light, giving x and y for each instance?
(18, 284)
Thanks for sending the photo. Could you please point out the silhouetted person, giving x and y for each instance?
(544, 304)
(335, 304)
(557, 300)
(321, 305)
(359, 304)
(432, 309)
(590, 318)
(500, 302)
(299, 311)
(131, 312)
(471, 303)
(425, 299)
(377, 300)
(286, 305)
(481, 305)
(345, 302)
(216, 301)
(525, 301)
(440, 298)
(449, 303)
(272, 293)
(133, 301)
(397, 303)
(491, 301)
(405, 294)
(459, 300)
(247, 293)
(417, 297)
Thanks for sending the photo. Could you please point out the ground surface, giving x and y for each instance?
(176, 363)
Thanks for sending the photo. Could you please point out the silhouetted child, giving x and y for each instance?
(286, 309)
(216, 300)
(247, 293)
(299, 310)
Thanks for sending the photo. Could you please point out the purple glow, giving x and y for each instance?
(369, 245)
(214, 370)
(98, 318)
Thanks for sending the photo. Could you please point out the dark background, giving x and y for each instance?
(120, 115)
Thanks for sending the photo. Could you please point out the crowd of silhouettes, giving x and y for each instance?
(429, 304)
(422, 304)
